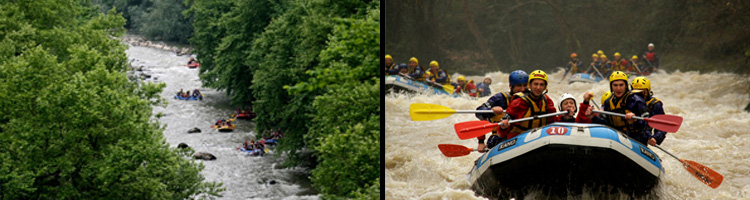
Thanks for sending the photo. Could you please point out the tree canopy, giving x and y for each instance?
(73, 125)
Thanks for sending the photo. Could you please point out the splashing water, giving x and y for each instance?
(714, 133)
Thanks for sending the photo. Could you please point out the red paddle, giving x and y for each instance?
(704, 174)
(472, 129)
(454, 150)
(666, 123)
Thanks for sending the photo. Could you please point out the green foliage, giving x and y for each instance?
(164, 21)
(308, 67)
(73, 126)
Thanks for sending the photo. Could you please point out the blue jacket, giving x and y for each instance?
(485, 87)
(442, 77)
(655, 107)
(500, 99)
(392, 70)
(638, 130)
(417, 74)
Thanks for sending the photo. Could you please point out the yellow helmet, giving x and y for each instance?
(634, 57)
(595, 55)
(460, 78)
(428, 73)
(618, 75)
(617, 54)
(387, 56)
(413, 59)
(573, 55)
(603, 56)
(605, 96)
(600, 52)
(434, 64)
(641, 83)
(538, 74)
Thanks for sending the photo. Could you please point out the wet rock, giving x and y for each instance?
(272, 182)
(194, 130)
(204, 156)
(182, 146)
(747, 108)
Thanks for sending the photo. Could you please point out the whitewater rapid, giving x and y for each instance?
(715, 132)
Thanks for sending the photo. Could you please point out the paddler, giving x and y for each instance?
(642, 86)
(416, 71)
(623, 101)
(568, 102)
(465, 87)
(531, 102)
(517, 81)
(390, 67)
(573, 66)
(650, 59)
(439, 76)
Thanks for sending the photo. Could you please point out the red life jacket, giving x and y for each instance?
(650, 56)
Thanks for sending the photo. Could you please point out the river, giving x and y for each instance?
(243, 176)
(714, 133)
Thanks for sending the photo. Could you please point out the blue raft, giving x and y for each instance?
(584, 78)
(565, 157)
(399, 84)
(191, 98)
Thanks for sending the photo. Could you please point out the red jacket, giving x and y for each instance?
(518, 108)
(468, 88)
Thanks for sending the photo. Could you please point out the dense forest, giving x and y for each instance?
(73, 126)
(160, 20)
(476, 37)
(308, 67)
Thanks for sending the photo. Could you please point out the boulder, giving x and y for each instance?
(194, 130)
(204, 156)
(182, 146)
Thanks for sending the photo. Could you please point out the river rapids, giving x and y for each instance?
(715, 132)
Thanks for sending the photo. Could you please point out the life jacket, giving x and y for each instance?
(533, 110)
(617, 65)
(617, 122)
(435, 76)
(651, 56)
(574, 66)
(424, 73)
(498, 118)
(390, 68)
(650, 105)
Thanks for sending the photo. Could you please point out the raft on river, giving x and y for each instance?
(567, 157)
(399, 84)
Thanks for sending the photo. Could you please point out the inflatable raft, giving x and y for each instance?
(191, 98)
(400, 84)
(584, 78)
(565, 157)
(255, 152)
(225, 128)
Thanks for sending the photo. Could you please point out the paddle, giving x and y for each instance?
(666, 123)
(426, 111)
(472, 129)
(454, 150)
(704, 174)
(448, 87)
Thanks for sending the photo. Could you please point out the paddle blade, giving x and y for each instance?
(472, 129)
(706, 175)
(449, 88)
(666, 123)
(427, 111)
(454, 150)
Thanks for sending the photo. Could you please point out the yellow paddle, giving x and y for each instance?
(427, 111)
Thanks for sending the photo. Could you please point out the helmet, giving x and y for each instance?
(651, 44)
(573, 55)
(413, 59)
(402, 65)
(600, 52)
(617, 54)
(603, 56)
(567, 96)
(460, 78)
(605, 96)
(595, 55)
(616, 76)
(641, 83)
(634, 57)
(434, 64)
(388, 57)
(518, 77)
(538, 74)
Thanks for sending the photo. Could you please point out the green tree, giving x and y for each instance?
(73, 126)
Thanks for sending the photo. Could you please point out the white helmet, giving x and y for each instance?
(568, 96)
(651, 44)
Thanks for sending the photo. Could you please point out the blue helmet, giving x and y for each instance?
(518, 77)
(402, 66)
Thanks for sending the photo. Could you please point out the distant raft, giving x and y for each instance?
(397, 83)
